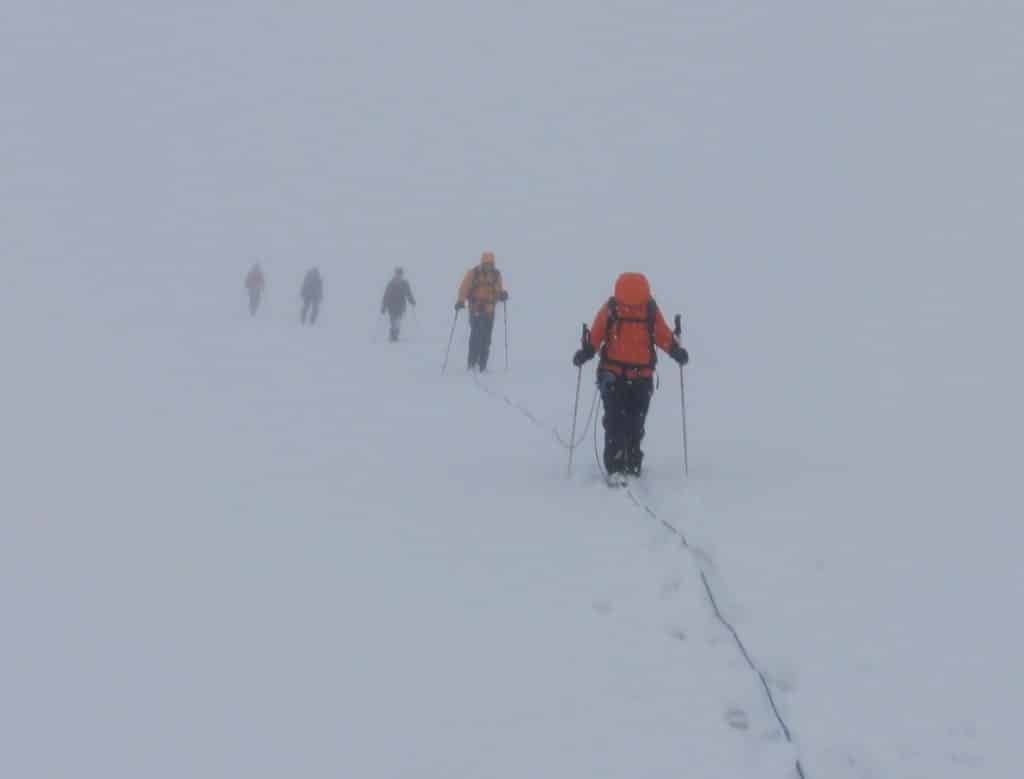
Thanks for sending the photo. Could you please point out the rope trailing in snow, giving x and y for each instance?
(583, 435)
(753, 667)
(709, 591)
(705, 581)
(529, 414)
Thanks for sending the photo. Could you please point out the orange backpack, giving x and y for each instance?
(629, 342)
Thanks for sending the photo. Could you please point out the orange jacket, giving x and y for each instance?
(627, 340)
(482, 287)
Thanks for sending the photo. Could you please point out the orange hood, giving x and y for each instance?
(632, 289)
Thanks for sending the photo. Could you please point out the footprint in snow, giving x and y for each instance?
(737, 719)
(965, 759)
(670, 588)
(677, 633)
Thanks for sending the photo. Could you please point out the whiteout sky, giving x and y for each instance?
(236, 547)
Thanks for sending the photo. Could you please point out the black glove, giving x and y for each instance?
(459, 306)
(679, 354)
(503, 296)
(582, 356)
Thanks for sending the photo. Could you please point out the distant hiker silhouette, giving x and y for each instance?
(396, 295)
(254, 283)
(312, 294)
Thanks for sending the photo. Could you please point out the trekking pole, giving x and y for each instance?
(682, 398)
(576, 405)
(451, 335)
(504, 316)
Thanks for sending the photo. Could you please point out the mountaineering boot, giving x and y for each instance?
(614, 461)
(617, 480)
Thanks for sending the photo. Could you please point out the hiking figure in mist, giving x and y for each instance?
(481, 288)
(254, 283)
(312, 293)
(396, 295)
(626, 330)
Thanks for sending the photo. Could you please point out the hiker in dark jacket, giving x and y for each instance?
(312, 294)
(396, 295)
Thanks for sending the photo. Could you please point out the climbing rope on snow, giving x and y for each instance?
(583, 435)
(696, 555)
(559, 439)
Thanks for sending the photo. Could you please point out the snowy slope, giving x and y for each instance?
(235, 546)
(260, 577)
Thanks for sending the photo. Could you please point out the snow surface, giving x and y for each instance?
(234, 547)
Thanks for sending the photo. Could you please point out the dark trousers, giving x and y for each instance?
(396, 322)
(625, 410)
(310, 310)
(481, 327)
(254, 301)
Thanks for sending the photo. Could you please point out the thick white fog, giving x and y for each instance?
(233, 546)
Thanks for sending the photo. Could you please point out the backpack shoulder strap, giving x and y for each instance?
(611, 317)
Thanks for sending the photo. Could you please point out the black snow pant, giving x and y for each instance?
(310, 310)
(254, 301)
(481, 326)
(626, 402)
(396, 315)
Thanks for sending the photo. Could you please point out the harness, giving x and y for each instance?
(615, 319)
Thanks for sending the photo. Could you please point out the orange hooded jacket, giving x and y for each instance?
(628, 346)
(482, 286)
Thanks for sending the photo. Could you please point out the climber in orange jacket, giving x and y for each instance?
(627, 330)
(482, 289)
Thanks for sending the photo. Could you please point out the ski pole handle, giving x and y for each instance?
(679, 326)
(585, 339)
